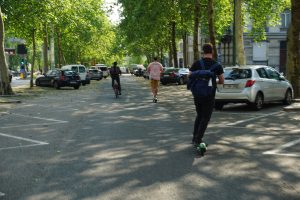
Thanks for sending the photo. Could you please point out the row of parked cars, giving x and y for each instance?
(72, 76)
(251, 84)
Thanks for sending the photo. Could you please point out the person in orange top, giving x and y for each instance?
(154, 70)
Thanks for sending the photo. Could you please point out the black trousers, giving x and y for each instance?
(204, 109)
(113, 79)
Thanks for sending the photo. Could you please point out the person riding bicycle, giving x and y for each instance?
(115, 73)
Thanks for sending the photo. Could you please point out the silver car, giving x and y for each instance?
(254, 85)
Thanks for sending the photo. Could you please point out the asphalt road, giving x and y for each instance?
(85, 144)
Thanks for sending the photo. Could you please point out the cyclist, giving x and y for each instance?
(115, 73)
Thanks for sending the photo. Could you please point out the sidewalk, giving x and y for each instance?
(295, 106)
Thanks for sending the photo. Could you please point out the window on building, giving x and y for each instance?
(260, 51)
(285, 19)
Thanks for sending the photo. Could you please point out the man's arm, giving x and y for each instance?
(221, 79)
(148, 68)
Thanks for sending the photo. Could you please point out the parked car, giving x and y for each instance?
(10, 75)
(146, 74)
(138, 72)
(104, 69)
(95, 74)
(174, 75)
(81, 70)
(59, 78)
(254, 85)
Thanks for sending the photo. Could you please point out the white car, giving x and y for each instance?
(80, 69)
(254, 85)
(104, 69)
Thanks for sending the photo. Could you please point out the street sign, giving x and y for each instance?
(10, 51)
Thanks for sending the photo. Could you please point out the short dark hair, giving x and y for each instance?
(155, 58)
(115, 63)
(207, 48)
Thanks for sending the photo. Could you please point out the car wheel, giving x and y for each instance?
(288, 97)
(83, 83)
(37, 83)
(55, 85)
(259, 101)
(181, 81)
(76, 87)
(164, 83)
(219, 106)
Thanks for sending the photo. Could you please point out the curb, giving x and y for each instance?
(295, 106)
(9, 101)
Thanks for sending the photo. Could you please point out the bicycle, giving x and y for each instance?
(116, 89)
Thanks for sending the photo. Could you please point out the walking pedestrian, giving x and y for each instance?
(154, 70)
(204, 104)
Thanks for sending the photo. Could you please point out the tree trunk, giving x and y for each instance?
(33, 57)
(173, 25)
(211, 28)
(45, 50)
(239, 29)
(170, 55)
(60, 55)
(184, 49)
(293, 46)
(196, 29)
(5, 87)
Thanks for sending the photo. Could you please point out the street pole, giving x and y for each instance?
(234, 35)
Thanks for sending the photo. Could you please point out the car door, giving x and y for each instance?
(279, 86)
(46, 80)
(265, 83)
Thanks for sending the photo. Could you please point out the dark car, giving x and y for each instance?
(174, 75)
(59, 78)
(139, 72)
(10, 75)
(95, 74)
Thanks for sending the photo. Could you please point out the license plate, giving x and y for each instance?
(73, 82)
(166, 75)
(230, 86)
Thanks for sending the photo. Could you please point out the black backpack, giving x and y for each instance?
(200, 81)
(115, 71)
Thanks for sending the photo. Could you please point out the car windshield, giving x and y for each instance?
(81, 69)
(103, 68)
(171, 70)
(237, 73)
(93, 71)
(69, 73)
(184, 70)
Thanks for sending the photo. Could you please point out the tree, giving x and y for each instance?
(196, 29)
(238, 33)
(261, 13)
(293, 46)
(5, 87)
(211, 27)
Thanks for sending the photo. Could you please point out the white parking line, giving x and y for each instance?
(277, 150)
(47, 119)
(54, 121)
(37, 143)
(1, 194)
(251, 119)
(26, 125)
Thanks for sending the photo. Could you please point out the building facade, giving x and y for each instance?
(272, 51)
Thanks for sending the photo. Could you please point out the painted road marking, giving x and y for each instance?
(1, 194)
(42, 118)
(278, 150)
(54, 121)
(36, 142)
(253, 118)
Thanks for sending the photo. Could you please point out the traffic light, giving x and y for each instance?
(21, 49)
